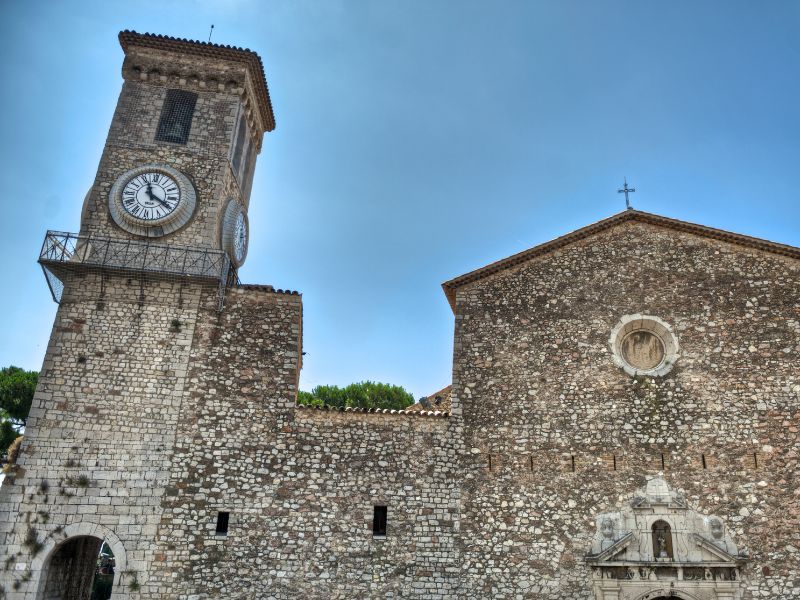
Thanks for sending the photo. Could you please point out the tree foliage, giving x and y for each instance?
(366, 394)
(16, 394)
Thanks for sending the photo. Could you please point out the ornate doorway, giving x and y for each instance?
(658, 548)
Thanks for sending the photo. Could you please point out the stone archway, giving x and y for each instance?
(70, 569)
(666, 594)
(66, 568)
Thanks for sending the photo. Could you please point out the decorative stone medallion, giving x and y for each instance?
(644, 345)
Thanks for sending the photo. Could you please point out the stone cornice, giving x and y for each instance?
(255, 82)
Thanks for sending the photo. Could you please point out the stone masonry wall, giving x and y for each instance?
(540, 396)
(97, 449)
(299, 484)
(155, 412)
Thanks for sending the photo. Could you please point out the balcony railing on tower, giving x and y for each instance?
(64, 253)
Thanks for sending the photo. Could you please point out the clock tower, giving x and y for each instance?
(178, 163)
(146, 289)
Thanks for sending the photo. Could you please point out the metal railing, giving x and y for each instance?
(63, 252)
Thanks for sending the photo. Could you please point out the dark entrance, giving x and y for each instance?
(71, 571)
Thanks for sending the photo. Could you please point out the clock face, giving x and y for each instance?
(151, 196)
(240, 238)
(234, 232)
(152, 200)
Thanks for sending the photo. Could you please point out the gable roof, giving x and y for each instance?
(437, 401)
(630, 214)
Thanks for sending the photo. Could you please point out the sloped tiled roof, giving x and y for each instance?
(207, 49)
(452, 285)
(436, 401)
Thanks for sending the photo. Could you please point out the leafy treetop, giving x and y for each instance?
(16, 394)
(366, 394)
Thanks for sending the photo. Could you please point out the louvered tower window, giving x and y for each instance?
(176, 117)
(241, 134)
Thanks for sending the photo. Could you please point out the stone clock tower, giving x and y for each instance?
(141, 288)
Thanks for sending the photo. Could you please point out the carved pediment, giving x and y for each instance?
(658, 542)
(717, 549)
(658, 527)
(612, 551)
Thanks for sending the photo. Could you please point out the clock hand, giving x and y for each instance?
(153, 196)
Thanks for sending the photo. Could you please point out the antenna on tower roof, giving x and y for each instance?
(210, 32)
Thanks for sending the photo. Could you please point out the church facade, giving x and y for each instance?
(622, 423)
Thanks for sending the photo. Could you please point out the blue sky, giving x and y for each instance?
(416, 141)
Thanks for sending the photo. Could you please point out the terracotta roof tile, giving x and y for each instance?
(377, 411)
(267, 288)
(438, 400)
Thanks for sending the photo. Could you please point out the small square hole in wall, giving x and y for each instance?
(222, 523)
(379, 521)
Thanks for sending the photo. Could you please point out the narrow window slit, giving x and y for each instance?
(755, 460)
(572, 461)
(703, 460)
(490, 462)
(222, 523)
(614, 461)
(663, 463)
(379, 521)
(530, 461)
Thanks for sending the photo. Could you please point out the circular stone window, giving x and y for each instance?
(644, 345)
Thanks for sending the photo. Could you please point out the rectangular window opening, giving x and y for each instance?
(379, 521)
(530, 461)
(176, 117)
(222, 523)
(489, 465)
(572, 462)
(703, 460)
(241, 134)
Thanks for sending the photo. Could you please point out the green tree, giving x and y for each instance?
(16, 394)
(366, 394)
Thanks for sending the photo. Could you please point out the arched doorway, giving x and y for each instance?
(87, 552)
(662, 594)
(71, 569)
(80, 568)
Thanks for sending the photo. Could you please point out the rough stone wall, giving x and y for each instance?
(101, 429)
(539, 394)
(299, 484)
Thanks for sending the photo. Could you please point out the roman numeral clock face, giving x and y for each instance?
(152, 200)
(234, 232)
(151, 196)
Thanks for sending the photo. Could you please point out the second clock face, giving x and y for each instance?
(240, 238)
(151, 196)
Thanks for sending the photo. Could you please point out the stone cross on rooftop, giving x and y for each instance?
(626, 190)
